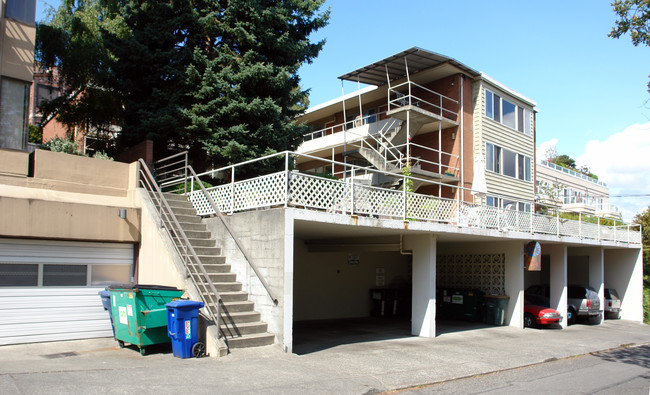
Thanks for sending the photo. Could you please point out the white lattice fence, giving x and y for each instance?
(589, 231)
(544, 224)
(258, 192)
(378, 201)
(430, 208)
(317, 192)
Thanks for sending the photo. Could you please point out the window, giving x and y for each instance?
(507, 113)
(44, 93)
(506, 204)
(21, 10)
(508, 163)
(65, 275)
(489, 111)
(18, 275)
(62, 275)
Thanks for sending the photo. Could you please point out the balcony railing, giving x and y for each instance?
(291, 188)
(411, 94)
(576, 174)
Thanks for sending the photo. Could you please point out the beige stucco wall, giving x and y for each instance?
(68, 198)
(14, 163)
(17, 50)
(156, 263)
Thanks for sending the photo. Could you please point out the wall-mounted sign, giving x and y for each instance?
(380, 278)
(533, 258)
(353, 259)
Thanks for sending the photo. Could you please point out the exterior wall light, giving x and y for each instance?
(122, 213)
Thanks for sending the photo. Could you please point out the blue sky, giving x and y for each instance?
(591, 90)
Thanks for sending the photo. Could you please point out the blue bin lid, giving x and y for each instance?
(105, 293)
(184, 304)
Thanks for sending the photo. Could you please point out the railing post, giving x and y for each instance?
(352, 193)
(286, 174)
(532, 217)
(580, 225)
(404, 197)
(232, 190)
(185, 175)
(598, 228)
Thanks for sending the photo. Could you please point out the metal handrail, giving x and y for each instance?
(233, 235)
(207, 291)
(190, 174)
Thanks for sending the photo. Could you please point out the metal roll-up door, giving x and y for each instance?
(48, 289)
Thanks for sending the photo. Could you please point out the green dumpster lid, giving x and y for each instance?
(143, 286)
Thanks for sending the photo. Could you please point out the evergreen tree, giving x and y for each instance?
(148, 71)
(245, 76)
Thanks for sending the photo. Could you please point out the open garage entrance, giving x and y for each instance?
(348, 291)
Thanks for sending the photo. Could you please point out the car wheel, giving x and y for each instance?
(529, 320)
(595, 320)
(571, 316)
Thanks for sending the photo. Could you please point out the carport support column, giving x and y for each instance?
(597, 273)
(624, 273)
(558, 279)
(514, 283)
(423, 315)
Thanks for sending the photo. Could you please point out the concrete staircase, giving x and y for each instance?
(240, 324)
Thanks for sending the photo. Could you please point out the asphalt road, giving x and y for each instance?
(622, 371)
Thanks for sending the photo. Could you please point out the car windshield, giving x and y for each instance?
(611, 294)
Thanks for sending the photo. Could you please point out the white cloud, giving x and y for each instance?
(623, 162)
(540, 153)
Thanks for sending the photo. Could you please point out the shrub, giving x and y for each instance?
(58, 144)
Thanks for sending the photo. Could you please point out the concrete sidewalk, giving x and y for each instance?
(99, 366)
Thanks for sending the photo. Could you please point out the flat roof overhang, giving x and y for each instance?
(423, 66)
(417, 59)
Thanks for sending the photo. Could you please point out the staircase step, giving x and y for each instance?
(216, 267)
(228, 286)
(175, 197)
(239, 318)
(212, 259)
(202, 242)
(208, 251)
(238, 307)
(256, 340)
(244, 328)
(234, 296)
(190, 219)
(183, 210)
(198, 234)
(201, 227)
(222, 278)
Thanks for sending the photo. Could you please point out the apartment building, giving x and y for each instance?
(459, 133)
(571, 191)
(17, 37)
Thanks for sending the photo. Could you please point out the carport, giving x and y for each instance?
(353, 283)
(596, 266)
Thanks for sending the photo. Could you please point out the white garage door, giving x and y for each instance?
(48, 289)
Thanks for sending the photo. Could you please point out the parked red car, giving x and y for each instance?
(536, 314)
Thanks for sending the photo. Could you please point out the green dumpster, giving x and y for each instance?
(494, 309)
(461, 304)
(140, 315)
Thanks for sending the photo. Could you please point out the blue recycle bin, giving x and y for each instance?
(183, 328)
(106, 302)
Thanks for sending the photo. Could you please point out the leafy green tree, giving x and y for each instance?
(245, 76)
(564, 161)
(35, 134)
(643, 219)
(634, 18)
(71, 48)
